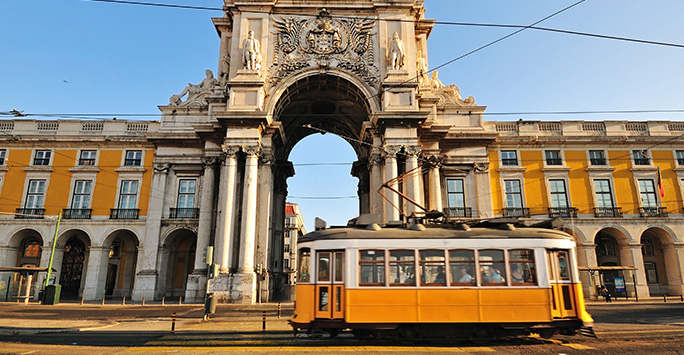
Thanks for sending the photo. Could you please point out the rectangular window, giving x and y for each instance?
(81, 198)
(455, 193)
(432, 270)
(186, 194)
(42, 157)
(304, 275)
(680, 157)
(641, 157)
(372, 268)
(35, 194)
(522, 267)
(513, 194)
(509, 157)
(323, 266)
(286, 263)
(462, 267)
(492, 267)
(559, 195)
(553, 157)
(402, 268)
(128, 194)
(597, 157)
(3, 156)
(648, 194)
(133, 158)
(87, 157)
(604, 196)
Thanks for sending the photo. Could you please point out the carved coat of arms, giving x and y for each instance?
(323, 41)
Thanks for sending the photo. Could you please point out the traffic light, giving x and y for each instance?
(209, 255)
(258, 269)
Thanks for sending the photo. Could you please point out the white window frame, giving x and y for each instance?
(80, 157)
(120, 186)
(604, 154)
(462, 193)
(35, 156)
(610, 186)
(28, 193)
(679, 154)
(567, 192)
(125, 157)
(521, 193)
(654, 185)
(645, 154)
(515, 152)
(561, 158)
(89, 194)
(3, 157)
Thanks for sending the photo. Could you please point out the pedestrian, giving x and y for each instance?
(605, 294)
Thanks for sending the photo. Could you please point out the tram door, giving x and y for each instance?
(562, 288)
(330, 284)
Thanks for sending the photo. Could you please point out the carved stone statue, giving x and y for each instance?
(435, 82)
(196, 93)
(224, 68)
(251, 52)
(422, 68)
(396, 53)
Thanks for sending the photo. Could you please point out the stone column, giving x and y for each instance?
(589, 281)
(639, 273)
(206, 214)
(265, 213)
(375, 164)
(249, 210)
(392, 206)
(483, 183)
(412, 182)
(146, 274)
(94, 286)
(435, 184)
(228, 180)
(678, 272)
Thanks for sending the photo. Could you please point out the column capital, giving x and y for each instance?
(481, 167)
(266, 158)
(376, 159)
(162, 167)
(413, 150)
(230, 149)
(252, 149)
(434, 161)
(391, 150)
(208, 162)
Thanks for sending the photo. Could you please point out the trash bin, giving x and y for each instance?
(210, 306)
(51, 294)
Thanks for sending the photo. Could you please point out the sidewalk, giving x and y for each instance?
(36, 318)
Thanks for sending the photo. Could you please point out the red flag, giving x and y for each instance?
(660, 184)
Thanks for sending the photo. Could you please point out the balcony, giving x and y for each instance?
(30, 213)
(608, 212)
(653, 211)
(516, 212)
(458, 212)
(563, 212)
(184, 213)
(124, 213)
(77, 213)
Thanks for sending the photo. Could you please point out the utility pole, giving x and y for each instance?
(52, 253)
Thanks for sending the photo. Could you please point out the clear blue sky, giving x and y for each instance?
(80, 57)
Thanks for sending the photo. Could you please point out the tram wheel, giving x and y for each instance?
(547, 333)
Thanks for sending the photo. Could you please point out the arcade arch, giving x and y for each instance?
(73, 252)
(120, 263)
(25, 248)
(658, 251)
(177, 259)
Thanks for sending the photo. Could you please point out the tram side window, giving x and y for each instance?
(462, 266)
(492, 269)
(402, 268)
(523, 272)
(372, 268)
(323, 266)
(432, 270)
(304, 265)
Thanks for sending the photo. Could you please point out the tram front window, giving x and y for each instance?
(304, 265)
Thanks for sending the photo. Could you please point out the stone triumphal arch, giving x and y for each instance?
(288, 69)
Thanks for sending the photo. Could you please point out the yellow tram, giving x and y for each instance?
(439, 281)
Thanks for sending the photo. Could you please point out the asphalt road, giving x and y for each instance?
(621, 327)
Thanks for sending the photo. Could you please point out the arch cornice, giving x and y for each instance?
(276, 92)
(169, 232)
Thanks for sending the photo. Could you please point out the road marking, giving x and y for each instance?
(645, 331)
(319, 349)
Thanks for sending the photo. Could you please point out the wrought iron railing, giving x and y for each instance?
(563, 212)
(653, 211)
(608, 212)
(515, 212)
(184, 213)
(458, 212)
(124, 213)
(29, 213)
(77, 213)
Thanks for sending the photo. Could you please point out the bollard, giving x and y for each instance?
(163, 300)
(279, 309)
(103, 298)
(180, 300)
(123, 302)
(263, 322)
(665, 298)
(143, 301)
(681, 297)
(81, 301)
(173, 323)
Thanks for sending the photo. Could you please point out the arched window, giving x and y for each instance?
(31, 248)
(647, 246)
(606, 245)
